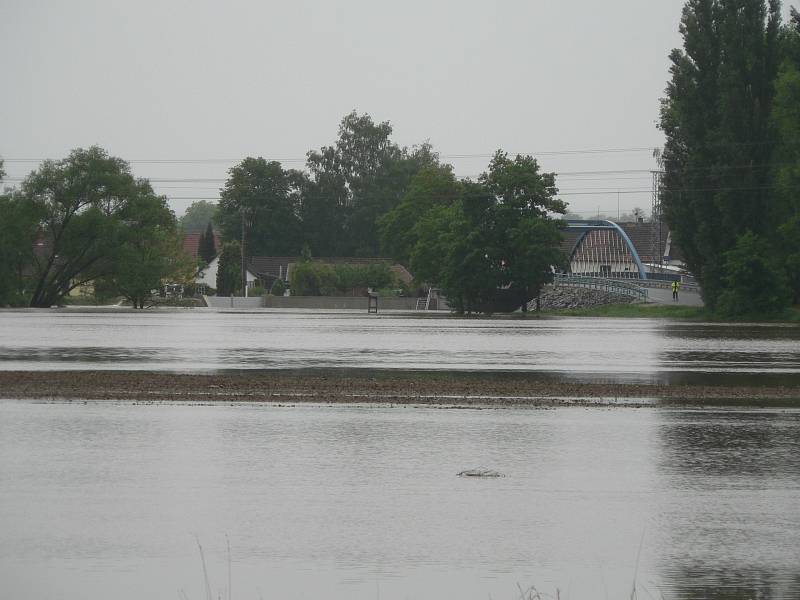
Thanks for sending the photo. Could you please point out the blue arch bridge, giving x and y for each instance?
(639, 250)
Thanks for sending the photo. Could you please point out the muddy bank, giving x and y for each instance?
(393, 387)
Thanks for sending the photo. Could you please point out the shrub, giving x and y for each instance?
(312, 279)
(278, 288)
(755, 283)
(320, 279)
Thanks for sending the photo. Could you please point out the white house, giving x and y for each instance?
(207, 278)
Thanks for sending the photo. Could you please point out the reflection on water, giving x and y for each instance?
(205, 340)
(738, 473)
(104, 500)
(747, 584)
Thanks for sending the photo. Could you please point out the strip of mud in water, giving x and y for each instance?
(359, 386)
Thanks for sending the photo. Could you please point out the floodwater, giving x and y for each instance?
(108, 500)
(207, 340)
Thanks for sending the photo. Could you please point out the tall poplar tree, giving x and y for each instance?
(207, 247)
(716, 116)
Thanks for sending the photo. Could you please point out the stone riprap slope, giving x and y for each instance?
(561, 297)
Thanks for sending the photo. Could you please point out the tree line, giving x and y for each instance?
(86, 219)
(730, 115)
(364, 196)
(731, 187)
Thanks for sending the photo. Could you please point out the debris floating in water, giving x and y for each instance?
(480, 473)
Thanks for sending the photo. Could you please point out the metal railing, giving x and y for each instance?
(613, 286)
(685, 286)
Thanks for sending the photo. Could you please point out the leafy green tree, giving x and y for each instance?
(498, 238)
(754, 282)
(207, 248)
(198, 216)
(259, 207)
(716, 118)
(229, 283)
(19, 226)
(525, 235)
(432, 187)
(355, 182)
(88, 205)
(435, 233)
(147, 253)
(785, 209)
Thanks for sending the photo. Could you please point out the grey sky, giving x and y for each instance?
(223, 80)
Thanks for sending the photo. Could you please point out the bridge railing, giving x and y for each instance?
(613, 286)
(686, 286)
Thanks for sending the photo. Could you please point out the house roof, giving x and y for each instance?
(649, 239)
(191, 243)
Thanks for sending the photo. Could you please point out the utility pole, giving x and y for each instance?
(244, 253)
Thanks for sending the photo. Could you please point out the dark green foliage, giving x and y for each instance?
(146, 253)
(267, 197)
(256, 291)
(376, 276)
(207, 249)
(527, 239)
(353, 183)
(198, 216)
(312, 279)
(754, 283)
(433, 186)
(790, 241)
(497, 236)
(19, 224)
(722, 119)
(786, 121)
(320, 279)
(93, 218)
(229, 282)
(278, 288)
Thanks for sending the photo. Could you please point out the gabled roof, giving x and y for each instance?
(649, 239)
(191, 243)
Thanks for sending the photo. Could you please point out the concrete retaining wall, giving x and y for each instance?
(233, 302)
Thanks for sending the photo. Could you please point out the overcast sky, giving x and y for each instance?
(208, 81)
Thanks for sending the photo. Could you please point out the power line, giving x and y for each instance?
(563, 152)
(586, 192)
(304, 158)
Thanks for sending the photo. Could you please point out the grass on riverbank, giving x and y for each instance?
(667, 311)
(663, 311)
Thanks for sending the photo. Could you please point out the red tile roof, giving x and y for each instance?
(191, 243)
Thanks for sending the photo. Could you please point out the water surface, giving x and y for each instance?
(207, 340)
(104, 500)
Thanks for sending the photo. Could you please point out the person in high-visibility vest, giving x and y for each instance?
(675, 287)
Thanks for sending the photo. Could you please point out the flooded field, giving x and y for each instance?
(109, 499)
(200, 340)
(104, 500)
